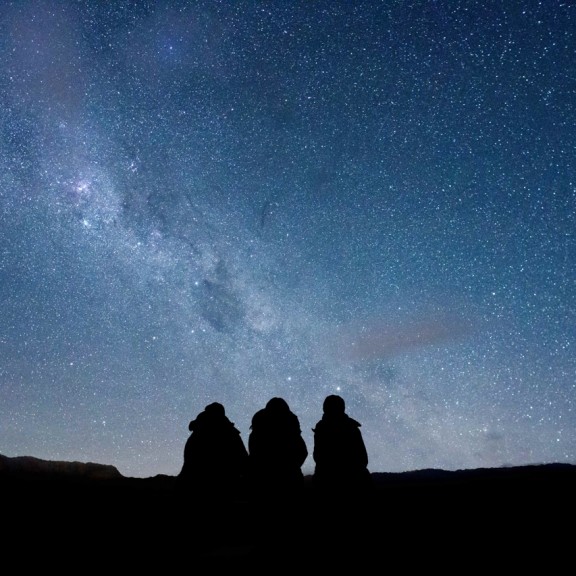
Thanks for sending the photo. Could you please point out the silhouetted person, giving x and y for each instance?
(276, 450)
(341, 484)
(340, 456)
(215, 457)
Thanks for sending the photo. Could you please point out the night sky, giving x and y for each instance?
(231, 200)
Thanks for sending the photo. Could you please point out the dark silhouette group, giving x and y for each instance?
(217, 464)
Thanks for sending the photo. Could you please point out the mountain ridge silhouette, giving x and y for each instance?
(33, 468)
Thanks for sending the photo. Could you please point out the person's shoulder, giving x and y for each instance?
(258, 418)
(293, 418)
(234, 430)
(319, 426)
(352, 422)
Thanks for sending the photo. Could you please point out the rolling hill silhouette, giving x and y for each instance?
(61, 513)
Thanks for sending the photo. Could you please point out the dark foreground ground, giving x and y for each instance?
(499, 519)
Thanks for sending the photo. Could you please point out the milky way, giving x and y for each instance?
(230, 201)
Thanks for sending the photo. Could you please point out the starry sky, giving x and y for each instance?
(229, 201)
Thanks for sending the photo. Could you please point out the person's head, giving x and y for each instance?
(277, 405)
(215, 409)
(334, 404)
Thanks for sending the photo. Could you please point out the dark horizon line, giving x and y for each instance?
(24, 463)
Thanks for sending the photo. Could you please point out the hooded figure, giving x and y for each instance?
(340, 456)
(215, 457)
(276, 448)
